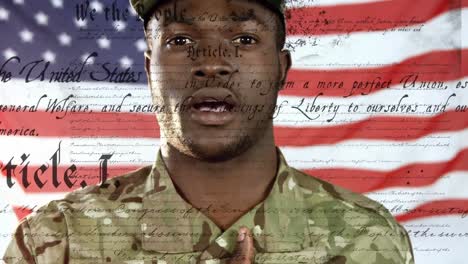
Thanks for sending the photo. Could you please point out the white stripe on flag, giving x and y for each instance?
(450, 186)
(378, 155)
(288, 116)
(306, 3)
(441, 248)
(374, 49)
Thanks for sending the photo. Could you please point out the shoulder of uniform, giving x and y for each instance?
(114, 189)
(344, 196)
(118, 188)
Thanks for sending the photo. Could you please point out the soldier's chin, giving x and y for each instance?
(220, 151)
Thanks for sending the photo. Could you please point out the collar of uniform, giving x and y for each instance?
(171, 225)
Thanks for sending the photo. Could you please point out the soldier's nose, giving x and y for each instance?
(211, 70)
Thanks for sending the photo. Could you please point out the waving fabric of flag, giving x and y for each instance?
(376, 102)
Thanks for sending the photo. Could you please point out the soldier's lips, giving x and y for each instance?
(212, 106)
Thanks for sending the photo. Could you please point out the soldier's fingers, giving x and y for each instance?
(245, 251)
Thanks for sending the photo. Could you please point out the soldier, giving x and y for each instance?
(220, 191)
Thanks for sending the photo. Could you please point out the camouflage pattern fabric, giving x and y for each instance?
(140, 218)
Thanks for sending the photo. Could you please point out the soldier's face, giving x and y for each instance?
(216, 67)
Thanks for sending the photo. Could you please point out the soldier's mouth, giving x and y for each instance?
(213, 105)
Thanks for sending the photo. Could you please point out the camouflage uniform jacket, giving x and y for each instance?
(140, 218)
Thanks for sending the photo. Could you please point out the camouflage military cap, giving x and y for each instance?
(145, 7)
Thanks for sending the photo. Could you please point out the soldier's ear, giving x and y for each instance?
(148, 65)
(285, 64)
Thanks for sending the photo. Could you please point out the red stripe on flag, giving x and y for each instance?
(436, 208)
(376, 128)
(21, 212)
(128, 125)
(95, 124)
(358, 17)
(411, 175)
(433, 67)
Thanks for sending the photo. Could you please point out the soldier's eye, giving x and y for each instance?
(245, 40)
(180, 41)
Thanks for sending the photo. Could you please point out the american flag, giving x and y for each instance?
(376, 102)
